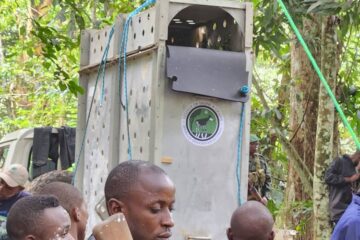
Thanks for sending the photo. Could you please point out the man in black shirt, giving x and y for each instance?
(340, 175)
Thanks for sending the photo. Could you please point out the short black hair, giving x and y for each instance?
(69, 197)
(252, 220)
(49, 177)
(124, 176)
(24, 216)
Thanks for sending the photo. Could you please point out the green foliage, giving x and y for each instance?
(272, 47)
(271, 43)
(349, 85)
(40, 63)
(301, 214)
(270, 33)
(273, 208)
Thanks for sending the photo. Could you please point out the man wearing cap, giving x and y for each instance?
(259, 174)
(12, 185)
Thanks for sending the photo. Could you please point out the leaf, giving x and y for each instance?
(30, 52)
(22, 30)
(65, 74)
(47, 65)
(272, 207)
(313, 6)
(278, 114)
(75, 88)
(62, 86)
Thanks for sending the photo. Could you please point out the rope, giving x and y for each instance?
(319, 73)
(122, 54)
(122, 49)
(244, 91)
(101, 71)
(103, 66)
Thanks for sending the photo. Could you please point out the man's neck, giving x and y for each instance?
(73, 230)
(10, 196)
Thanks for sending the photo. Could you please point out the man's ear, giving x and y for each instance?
(272, 235)
(115, 206)
(229, 234)
(75, 214)
(30, 237)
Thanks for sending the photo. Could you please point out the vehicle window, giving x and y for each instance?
(4, 150)
(34, 172)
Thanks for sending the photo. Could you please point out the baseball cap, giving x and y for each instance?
(254, 138)
(15, 175)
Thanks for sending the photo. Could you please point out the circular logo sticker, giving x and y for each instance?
(202, 124)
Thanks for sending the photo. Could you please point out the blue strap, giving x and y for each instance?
(122, 54)
(101, 71)
(103, 65)
(244, 91)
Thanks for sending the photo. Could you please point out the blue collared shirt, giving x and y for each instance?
(348, 227)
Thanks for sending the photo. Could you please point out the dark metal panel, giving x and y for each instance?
(207, 72)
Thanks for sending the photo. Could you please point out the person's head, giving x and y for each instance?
(145, 195)
(356, 157)
(12, 180)
(44, 179)
(38, 218)
(251, 221)
(254, 143)
(72, 201)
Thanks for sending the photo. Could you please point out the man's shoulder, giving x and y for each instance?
(348, 221)
(14, 198)
(351, 216)
(24, 194)
(262, 158)
(20, 195)
(259, 155)
(343, 158)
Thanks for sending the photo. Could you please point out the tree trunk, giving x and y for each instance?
(324, 133)
(294, 158)
(303, 115)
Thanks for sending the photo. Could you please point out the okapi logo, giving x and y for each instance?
(203, 124)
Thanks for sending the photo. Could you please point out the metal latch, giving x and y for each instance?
(198, 238)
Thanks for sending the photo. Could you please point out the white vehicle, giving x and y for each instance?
(16, 147)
